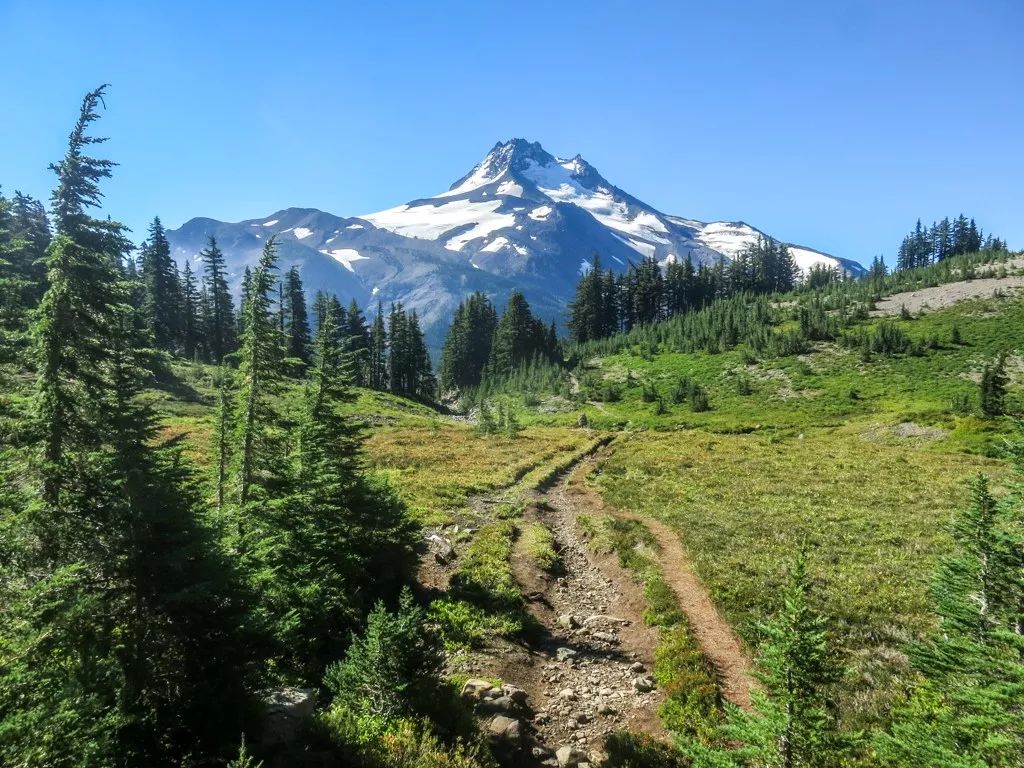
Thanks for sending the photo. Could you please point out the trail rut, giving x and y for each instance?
(716, 638)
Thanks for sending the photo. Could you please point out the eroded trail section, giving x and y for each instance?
(715, 636)
(593, 668)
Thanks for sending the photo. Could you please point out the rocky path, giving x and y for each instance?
(588, 670)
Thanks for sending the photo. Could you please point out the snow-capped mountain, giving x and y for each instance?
(521, 218)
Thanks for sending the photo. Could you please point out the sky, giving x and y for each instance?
(830, 124)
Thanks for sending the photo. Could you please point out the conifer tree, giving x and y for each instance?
(968, 709)
(162, 300)
(468, 343)
(118, 647)
(259, 374)
(222, 330)
(295, 318)
(357, 337)
(378, 351)
(795, 722)
(993, 388)
(191, 320)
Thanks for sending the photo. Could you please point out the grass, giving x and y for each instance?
(437, 469)
(830, 386)
(873, 516)
(483, 599)
(538, 543)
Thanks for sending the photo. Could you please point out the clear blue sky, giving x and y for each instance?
(834, 124)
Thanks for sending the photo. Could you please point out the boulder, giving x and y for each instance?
(441, 548)
(475, 688)
(645, 684)
(506, 731)
(285, 710)
(569, 757)
(564, 654)
(568, 621)
(502, 704)
(518, 695)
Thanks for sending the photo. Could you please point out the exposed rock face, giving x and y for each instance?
(285, 712)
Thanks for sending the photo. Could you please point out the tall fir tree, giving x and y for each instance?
(296, 318)
(222, 330)
(162, 299)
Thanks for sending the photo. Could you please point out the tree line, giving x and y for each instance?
(945, 238)
(606, 303)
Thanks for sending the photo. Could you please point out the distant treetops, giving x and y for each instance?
(949, 237)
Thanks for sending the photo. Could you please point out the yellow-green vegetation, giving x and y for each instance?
(539, 545)
(691, 704)
(483, 599)
(437, 468)
(872, 515)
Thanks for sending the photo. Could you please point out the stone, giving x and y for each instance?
(606, 709)
(605, 692)
(568, 621)
(475, 688)
(505, 730)
(645, 684)
(518, 695)
(564, 654)
(637, 667)
(502, 704)
(569, 757)
(441, 548)
(285, 711)
(568, 694)
(606, 637)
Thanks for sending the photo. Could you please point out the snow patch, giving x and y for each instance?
(270, 223)
(430, 222)
(345, 257)
(302, 232)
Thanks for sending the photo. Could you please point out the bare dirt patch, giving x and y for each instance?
(942, 296)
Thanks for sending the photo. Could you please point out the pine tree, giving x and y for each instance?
(357, 345)
(222, 329)
(968, 710)
(260, 372)
(993, 388)
(349, 540)
(118, 647)
(794, 723)
(162, 300)
(378, 352)
(191, 320)
(468, 343)
(296, 321)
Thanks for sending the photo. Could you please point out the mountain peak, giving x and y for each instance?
(505, 157)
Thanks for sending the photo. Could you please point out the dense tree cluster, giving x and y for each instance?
(468, 344)
(949, 237)
(481, 347)
(606, 303)
(140, 616)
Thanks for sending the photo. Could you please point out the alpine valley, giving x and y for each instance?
(520, 219)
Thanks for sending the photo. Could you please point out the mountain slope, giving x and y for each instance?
(521, 218)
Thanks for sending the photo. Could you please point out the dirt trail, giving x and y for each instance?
(717, 640)
(587, 668)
